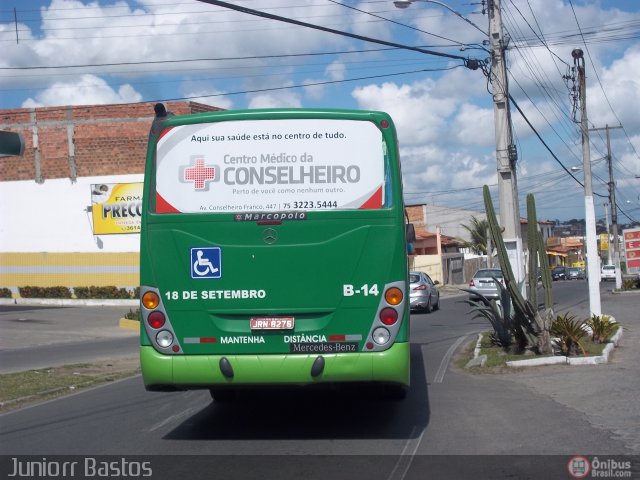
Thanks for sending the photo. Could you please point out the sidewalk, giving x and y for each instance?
(448, 291)
(71, 302)
(607, 394)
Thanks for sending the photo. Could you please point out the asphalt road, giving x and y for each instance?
(560, 411)
(45, 336)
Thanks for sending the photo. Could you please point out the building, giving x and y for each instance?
(46, 233)
(434, 253)
(428, 219)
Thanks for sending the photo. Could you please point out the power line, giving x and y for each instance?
(595, 70)
(467, 62)
(213, 59)
(393, 21)
(271, 89)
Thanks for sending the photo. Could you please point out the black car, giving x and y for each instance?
(559, 273)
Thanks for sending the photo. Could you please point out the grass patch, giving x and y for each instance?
(498, 358)
(24, 388)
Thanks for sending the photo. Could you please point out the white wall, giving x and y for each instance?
(450, 220)
(53, 217)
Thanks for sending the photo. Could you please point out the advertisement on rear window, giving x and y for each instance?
(270, 165)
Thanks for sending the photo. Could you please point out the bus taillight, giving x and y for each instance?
(164, 338)
(156, 320)
(388, 316)
(393, 296)
(150, 300)
(381, 335)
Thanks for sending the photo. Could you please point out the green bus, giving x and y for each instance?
(274, 252)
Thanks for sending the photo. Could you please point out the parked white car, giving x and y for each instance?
(608, 272)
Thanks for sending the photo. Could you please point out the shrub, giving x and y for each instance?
(44, 292)
(631, 283)
(110, 292)
(569, 333)
(5, 292)
(602, 328)
(132, 314)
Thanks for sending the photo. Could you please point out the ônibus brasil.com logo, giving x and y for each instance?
(580, 467)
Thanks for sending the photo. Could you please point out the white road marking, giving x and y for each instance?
(406, 456)
(446, 359)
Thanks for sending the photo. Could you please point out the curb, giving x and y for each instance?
(129, 324)
(558, 360)
(451, 291)
(71, 302)
(625, 292)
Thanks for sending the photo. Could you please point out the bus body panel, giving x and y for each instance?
(202, 371)
(324, 274)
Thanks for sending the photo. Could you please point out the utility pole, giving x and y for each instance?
(614, 209)
(506, 153)
(593, 267)
(606, 220)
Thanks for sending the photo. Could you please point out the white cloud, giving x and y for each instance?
(418, 114)
(622, 81)
(207, 96)
(88, 90)
(472, 126)
(444, 120)
(281, 99)
(336, 70)
(76, 33)
(314, 92)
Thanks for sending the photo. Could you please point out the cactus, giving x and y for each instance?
(546, 274)
(530, 329)
(532, 241)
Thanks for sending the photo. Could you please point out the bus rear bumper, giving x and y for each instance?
(170, 372)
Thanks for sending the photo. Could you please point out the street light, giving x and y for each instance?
(593, 267)
(506, 153)
(407, 3)
(578, 168)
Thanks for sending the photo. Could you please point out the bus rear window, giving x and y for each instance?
(270, 166)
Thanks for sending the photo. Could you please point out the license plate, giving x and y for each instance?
(272, 323)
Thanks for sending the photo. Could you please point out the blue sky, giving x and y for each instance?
(77, 52)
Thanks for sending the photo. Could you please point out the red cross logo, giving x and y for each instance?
(199, 174)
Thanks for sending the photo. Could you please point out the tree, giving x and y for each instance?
(477, 229)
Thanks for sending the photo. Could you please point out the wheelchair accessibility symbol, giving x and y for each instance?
(206, 262)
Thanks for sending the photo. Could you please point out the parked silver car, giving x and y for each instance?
(483, 282)
(423, 292)
(575, 273)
